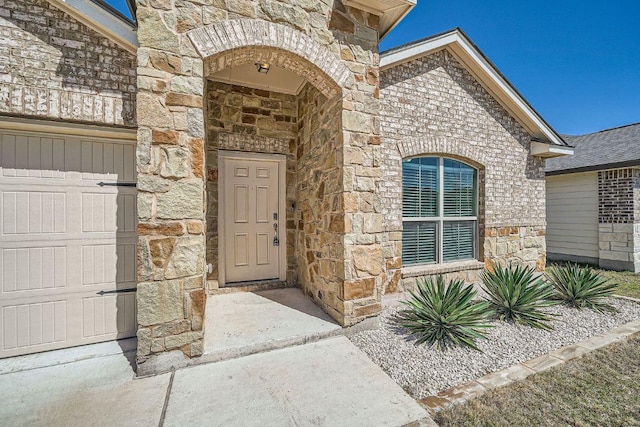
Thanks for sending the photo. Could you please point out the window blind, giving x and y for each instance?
(459, 185)
(458, 239)
(420, 187)
(419, 242)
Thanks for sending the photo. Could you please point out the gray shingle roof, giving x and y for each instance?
(600, 150)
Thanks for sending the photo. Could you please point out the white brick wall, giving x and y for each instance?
(55, 67)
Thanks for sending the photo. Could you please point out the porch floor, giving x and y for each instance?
(244, 323)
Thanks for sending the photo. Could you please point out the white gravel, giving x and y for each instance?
(423, 371)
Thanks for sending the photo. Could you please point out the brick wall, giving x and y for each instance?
(616, 196)
(619, 219)
(433, 105)
(55, 67)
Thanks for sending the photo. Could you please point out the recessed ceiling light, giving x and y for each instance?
(263, 67)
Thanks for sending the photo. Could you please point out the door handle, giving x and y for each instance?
(276, 241)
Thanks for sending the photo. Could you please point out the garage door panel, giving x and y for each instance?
(107, 162)
(28, 269)
(35, 209)
(47, 325)
(44, 157)
(110, 315)
(33, 212)
(36, 324)
(68, 247)
(108, 264)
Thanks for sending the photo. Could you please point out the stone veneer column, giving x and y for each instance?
(334, 48)
(170, 160)
(350, 289)
(619, 219)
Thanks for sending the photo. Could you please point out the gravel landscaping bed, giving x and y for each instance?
(423, 371)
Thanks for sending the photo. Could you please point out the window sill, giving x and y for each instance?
(452, 267)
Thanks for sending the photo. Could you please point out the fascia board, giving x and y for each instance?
(100, 20)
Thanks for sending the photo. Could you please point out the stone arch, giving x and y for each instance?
(242, 41)
(458, 148)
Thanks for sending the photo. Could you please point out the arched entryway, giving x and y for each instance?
(274, 174)
(214, 124)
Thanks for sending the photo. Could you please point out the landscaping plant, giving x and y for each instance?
(581, 287)
(515, 294)
(445, 314)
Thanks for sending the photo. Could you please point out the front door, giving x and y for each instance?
(253, 240)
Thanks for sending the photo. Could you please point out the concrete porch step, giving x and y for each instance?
(264, 285)
(243, 323)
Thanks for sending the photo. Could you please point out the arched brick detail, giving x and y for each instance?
(243, 41)
(442, 146)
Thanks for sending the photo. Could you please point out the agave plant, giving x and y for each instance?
(515, 294)
(581, 287)
(445, 314)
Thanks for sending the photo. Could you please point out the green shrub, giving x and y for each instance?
(445, 314)
(515, 294)
(581, 287)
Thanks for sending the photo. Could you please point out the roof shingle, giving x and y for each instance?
(600, 150)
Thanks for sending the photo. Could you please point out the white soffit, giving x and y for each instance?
(100, 20)
(391, 12)
(485, 72)
(277, 80)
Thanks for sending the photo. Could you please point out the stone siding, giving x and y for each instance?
(335, 49)
(55, 67)
(619, 219)
(319, 217)
(249, 120)
(434, 106)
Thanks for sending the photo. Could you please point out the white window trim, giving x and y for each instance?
(441, 219)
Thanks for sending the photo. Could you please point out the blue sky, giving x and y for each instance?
(576, 61)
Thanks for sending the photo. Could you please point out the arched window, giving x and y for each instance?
(439, 210)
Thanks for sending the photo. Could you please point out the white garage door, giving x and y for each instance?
(68, 246)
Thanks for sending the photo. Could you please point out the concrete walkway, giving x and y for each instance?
(326, 383)
(286, 367)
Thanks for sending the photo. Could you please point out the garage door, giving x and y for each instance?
(68, 246)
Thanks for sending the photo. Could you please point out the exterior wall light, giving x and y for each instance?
(263, 67)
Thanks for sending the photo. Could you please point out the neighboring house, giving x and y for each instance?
(593, 200)
(268, 145)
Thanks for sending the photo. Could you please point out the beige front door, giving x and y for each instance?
(252, 235)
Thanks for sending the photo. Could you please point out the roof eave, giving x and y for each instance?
(594, 168)
(549, 151)
(102, 21)
(461, 47)
(390, 12)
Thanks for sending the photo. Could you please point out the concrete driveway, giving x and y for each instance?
(326, 383)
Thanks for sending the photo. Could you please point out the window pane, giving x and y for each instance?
(460, 184)
(419, 242)
(458, 240)
(420, 187)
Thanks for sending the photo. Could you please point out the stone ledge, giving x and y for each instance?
(463, 392)
(429, 270)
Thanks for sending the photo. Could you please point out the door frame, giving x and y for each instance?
(281, 159)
